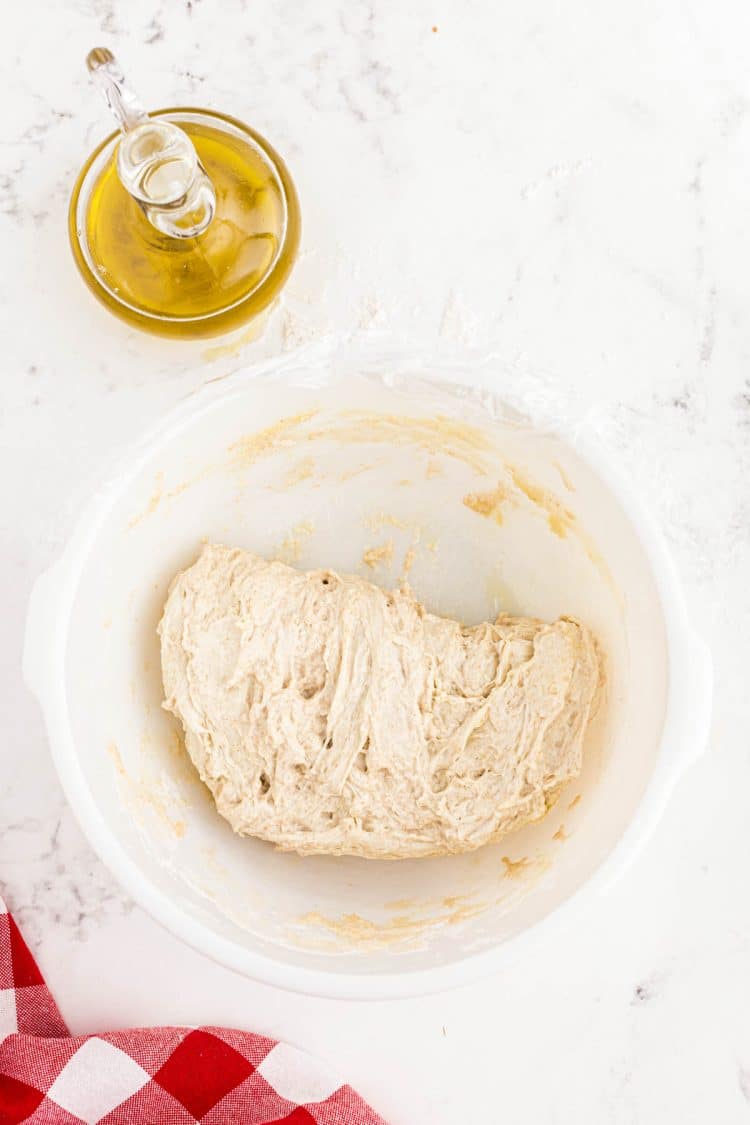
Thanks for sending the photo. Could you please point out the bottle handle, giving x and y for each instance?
(124, 104)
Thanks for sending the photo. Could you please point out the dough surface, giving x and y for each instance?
(328, 715)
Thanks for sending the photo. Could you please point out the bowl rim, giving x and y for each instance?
(683, 738)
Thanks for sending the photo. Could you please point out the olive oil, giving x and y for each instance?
(195, 286)
(185, 221)
(190, 278)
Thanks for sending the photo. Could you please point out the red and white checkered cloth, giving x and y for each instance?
(151, 1075)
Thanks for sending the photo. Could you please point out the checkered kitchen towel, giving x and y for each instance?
(149, 1076)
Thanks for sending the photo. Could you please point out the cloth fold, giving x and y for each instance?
(150, 1076)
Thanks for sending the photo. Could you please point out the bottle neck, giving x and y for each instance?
(158, 165)
(156, 161)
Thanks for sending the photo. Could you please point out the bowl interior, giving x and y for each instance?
(318, 476)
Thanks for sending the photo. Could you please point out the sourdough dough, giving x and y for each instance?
(328, 715)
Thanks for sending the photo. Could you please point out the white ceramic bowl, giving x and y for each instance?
(315, 459)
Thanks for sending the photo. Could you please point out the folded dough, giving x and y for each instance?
(328, 715)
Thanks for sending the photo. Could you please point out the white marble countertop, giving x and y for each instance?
(568, 184)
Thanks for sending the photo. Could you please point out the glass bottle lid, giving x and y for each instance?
(185, 222)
